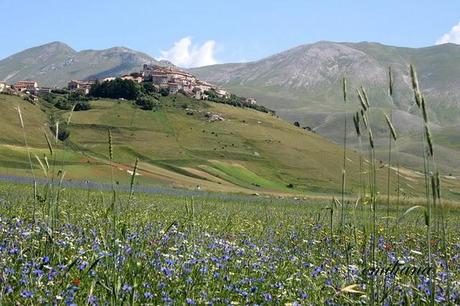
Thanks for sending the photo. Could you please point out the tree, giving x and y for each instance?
(164, 92)
(116, 89)
(149, 88)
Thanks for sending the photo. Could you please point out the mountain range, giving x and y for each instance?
(301, 84)
(56, 63)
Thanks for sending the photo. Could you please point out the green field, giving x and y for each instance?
(177, 146)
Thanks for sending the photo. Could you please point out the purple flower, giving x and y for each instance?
(14, 251)
(8, 289)
(267, 296)
(27, 294)
(190, 301)
(92, 300)
(148, 295)
(317, 270)
(126, 288)
(38, 272)
(83, 265)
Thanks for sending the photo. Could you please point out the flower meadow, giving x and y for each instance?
(64, 246)
(170, 250)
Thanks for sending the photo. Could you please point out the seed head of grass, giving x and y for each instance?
(391, 127)
(425, 115)
(133, 176)
(363, 115)
(356, 122)
(41, 165)
(413, 76)
(50, 147)
(110, 145)
(371, 139)
(415, 86)
(57, 132)
(20, 116)
(366, 98)
(344, 89)
(429, 140)
(390, 81)
(361, 100)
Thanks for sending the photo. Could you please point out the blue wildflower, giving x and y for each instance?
(27, 294)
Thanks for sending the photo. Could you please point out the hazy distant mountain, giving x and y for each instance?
(303, 83)
(56, 63)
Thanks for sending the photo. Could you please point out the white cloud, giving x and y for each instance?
(184, 54)
(453, 36)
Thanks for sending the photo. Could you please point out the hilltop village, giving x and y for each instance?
(169, 79)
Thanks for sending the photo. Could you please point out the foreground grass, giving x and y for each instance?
(173, 250)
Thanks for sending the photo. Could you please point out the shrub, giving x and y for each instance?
(146, 102)
(60, 91)
(82, 106)
(63, 104)
(164, 92)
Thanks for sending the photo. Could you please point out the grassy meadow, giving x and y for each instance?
(87, 247)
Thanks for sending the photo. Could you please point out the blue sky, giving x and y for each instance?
(197, 32)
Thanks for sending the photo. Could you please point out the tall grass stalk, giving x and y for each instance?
(433, 177)
(133, 176)
(365, 114)
(34, 202)
(114, 216)
(391, 137)
(342, 216)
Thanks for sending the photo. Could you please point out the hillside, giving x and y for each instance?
(301, 84)
(178, 146)
(54, 64)
(304, 84)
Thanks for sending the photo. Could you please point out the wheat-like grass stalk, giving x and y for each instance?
(50, 147)
(365, 113)
(430, 165)
(114, 216)
(342, 217)
(110, 145)
(390, 81)
(391, 136)
(45, 172)
(133, 176)
(21, 121)
(361, 100)
(56, 139)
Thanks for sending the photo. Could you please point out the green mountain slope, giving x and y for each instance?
(304, 84)
(177, 145)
